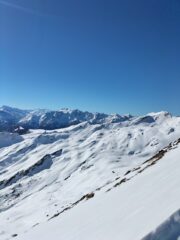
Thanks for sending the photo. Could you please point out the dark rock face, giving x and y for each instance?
(146, 119)
(21, 130)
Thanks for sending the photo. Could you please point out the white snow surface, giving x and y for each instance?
(128, 212)
(7, 139)
(48, 171)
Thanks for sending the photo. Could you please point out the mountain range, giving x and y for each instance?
(11, 118)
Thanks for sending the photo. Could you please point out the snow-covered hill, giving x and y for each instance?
(50, 173)
(131, 210)
(7, 139)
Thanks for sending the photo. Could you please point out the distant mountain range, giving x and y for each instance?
(13, 118)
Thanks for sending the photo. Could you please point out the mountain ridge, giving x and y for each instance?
(13, 118)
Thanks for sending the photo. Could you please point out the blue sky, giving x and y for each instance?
(98, 55)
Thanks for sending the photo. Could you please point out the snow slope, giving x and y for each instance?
(7, 139)
(128, 212)
(50, 171)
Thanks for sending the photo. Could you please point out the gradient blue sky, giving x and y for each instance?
(98, 55)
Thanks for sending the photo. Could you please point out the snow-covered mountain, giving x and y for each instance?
(121, 164)
(11, 118)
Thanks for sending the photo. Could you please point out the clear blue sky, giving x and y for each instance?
(98, 55)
